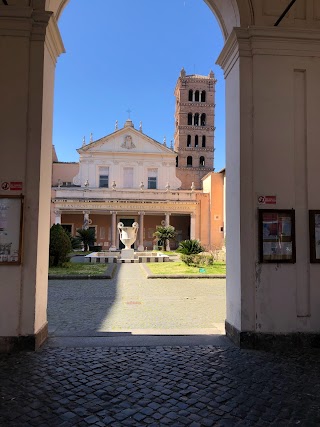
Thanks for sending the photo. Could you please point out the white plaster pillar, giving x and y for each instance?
(57, 213)
(141, 229)
(113, 228)
(272, 95)
(192, 226)
(29, 45)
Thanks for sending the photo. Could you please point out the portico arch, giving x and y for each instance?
(272, 95)
(229, 13)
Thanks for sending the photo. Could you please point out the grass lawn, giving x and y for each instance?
(79, 268)
(182, 268)
(169, 252)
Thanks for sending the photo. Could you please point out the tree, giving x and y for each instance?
(87, 237)
(165, 234)
(59, 246)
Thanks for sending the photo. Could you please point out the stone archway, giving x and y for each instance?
(272, 95)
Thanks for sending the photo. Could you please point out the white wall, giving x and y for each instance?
(272, 149)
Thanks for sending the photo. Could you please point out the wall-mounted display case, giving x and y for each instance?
(10, 229)
(277, 235)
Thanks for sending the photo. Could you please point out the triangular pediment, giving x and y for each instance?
(126, 140)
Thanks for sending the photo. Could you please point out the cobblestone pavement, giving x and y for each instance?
(131, 302)
(159, 386)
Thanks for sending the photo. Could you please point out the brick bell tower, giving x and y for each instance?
(194, 127)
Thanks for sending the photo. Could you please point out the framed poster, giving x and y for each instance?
(314, 232)
(10, 229)
(277, 235)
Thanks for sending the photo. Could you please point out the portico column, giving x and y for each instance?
(113, 228)
(57, 213)
(167, 222)
(141, 228)
(86, 220)
(192, 226)
(30, 44)
(167, 219)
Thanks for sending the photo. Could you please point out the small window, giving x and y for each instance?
(201, 162)
(190, 119)
(104, 177)
(203, 96)
(189, 141)
(152, 179)
(177, 161)
(152, 183)
(197, 97)
(190, 95)
(203, 119)
(196, 141)
(196, 119)
(104, 181)
(203, 141)
(189, 161)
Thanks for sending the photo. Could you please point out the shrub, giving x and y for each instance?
(75, 241)
(189, 247)
(60, 246)
(198, 260)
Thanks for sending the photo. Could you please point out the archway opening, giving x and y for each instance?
(105, 98)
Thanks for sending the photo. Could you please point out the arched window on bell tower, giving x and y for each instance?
(203, 96)
(203, 141)
(189, 119)
(190, 95)
(189, 161)
(196, 141)
(197, 96)
(202, 161)
(196, 119)
(189, 141)
(203, 119)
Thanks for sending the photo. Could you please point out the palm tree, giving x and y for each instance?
(164, 234)
(87, 237)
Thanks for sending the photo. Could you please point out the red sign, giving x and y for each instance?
(15, 185)
(267, 200)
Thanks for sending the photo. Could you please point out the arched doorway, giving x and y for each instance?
(271, 96)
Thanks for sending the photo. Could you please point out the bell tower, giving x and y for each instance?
(194, 127)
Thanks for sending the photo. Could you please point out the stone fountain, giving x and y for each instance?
(128, 236)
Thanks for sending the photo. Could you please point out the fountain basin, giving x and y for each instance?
(115, 257)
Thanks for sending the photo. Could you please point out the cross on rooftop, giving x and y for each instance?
(129, 111)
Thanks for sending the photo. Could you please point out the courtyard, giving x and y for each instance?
(131, 303)
(132, 351)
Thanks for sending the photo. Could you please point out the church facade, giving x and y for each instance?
(129, 177)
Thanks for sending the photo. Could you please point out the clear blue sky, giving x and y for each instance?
(127, 54)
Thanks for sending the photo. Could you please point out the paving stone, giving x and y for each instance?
(255, 388)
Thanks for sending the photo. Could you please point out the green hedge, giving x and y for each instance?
(197, 260)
